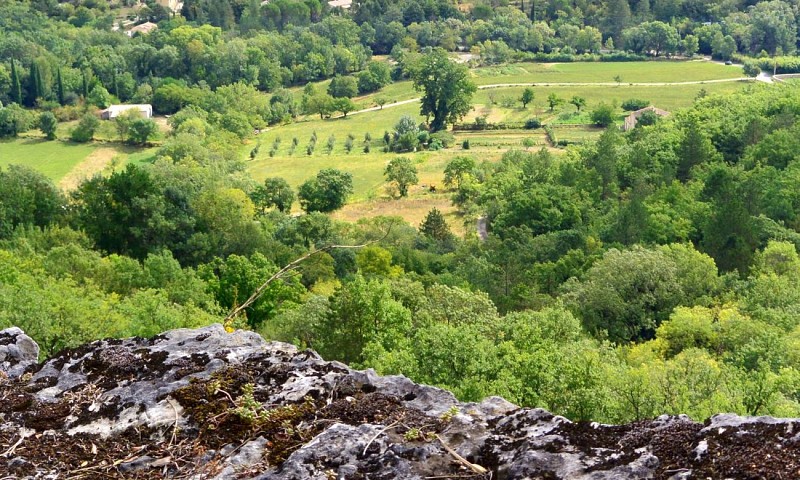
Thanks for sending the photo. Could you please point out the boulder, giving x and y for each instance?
(17, 352)
(208, 404)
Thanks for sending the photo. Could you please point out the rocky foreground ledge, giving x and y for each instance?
(208, 404)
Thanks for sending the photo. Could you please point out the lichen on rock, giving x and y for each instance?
(206, 403)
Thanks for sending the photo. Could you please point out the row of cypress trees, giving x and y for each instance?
(35, 86)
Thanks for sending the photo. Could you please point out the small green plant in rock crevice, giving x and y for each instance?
(449, 414)
(284, 418)
(419, 434)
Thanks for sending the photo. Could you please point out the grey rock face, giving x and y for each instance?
(17, 352)
(206, 404)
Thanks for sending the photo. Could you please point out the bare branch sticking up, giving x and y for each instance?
(290, 267)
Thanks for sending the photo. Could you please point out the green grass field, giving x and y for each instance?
(68, 163)
(53, 159)
(604, 72)
(672, 97)
(668, 98)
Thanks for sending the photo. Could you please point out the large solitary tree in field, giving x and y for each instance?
(326, 192)
(447, 88)
(403, 173)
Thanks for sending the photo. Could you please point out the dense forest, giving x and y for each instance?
(653, 271)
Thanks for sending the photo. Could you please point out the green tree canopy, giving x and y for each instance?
(326, 192)
(403, 173)
(446, 86)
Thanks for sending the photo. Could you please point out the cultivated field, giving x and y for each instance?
(496, 104)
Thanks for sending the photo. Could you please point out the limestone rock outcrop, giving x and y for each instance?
(206, 404)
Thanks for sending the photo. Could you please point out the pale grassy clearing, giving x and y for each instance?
(95, 163)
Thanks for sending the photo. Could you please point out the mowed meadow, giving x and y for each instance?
(68, 163)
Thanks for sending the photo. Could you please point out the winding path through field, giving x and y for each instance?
(570, 84)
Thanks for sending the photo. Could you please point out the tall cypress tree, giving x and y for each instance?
(33, 85)
(114, 83)
(618, 17)
(60, 87)
(16, 86)
(40, 91)
(695, 148)
(85, 86)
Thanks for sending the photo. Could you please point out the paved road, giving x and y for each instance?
(576, 84)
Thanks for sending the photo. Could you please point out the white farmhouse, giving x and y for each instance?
(114, 111)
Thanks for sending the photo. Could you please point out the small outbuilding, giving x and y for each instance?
(633, 118)
(114, 111)
(143, 29)
(173, 5)
(345, 4)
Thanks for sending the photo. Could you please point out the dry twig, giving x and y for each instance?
(288, 268)
(475, 468)
(388, 427)
(13, 447)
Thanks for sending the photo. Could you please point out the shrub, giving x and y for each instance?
(424, 137)
(465, 144)
(751, 69)
(14, 120)
(780, 64)
(85, 129)
(533, 123)
(603, 115)
(551, 135)
(445, 138)
(48, 124)
(633, 104)
(67, 113)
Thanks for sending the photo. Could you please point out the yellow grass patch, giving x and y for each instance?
(412, 209)
(95, 163)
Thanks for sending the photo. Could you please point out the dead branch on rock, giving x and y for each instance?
(384, 430)
(475, 468)
(13, 448)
